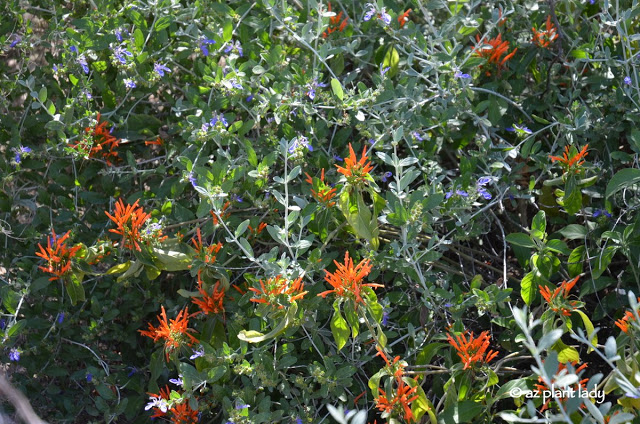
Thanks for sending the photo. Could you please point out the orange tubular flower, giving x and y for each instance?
(277, 286)
(545, 38)
(129, 220)
(347, 279)
(581, 385)
(558, 299)
(57, 255)
(493, 49)
(222, 215)
(355, 170)
(404, 18)
(207, 254)
(335, 24)
(472, 350)
(568, 163)
(175, 332)
(156, 142)
(210, 304)
(623, 323)
(401, 400)
(183, 414)
(325, 193)
(99, 143)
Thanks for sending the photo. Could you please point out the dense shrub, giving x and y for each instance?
(258, 212)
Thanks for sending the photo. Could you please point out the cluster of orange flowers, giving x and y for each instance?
(271, 291)
(210, 304)
(558, 299)
(404, 18)
(130, 220)
(542, 387)
(544, 38)
(223, 215)
(623, 323)
(493, 50)
(99, 143)
(355, 170)
(403, 395)
(335, 23)
(207, 254)
(325, 193)
(257, 231)
(569, 163)
(175, 332)
(180, 413)
(57, 255)
(347, 280)
(473, 350)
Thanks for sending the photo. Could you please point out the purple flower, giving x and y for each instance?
(73, 49)
(627, 80)
(233, 47)
(235, 84)
(177, 381)
(236, 198)
(592, 1)
(192, 179)
(384, 16)
(370, 12)
(385, 318)
(386, 176)
(60, 317)
(214, 120)
(599, 212)
(483, 181)
(14, 354)
(519, 129)
(298, 420)
(372, 141)
(15, 41)
(416, 134)
(243, 406)
(89, 377)
(311, 92)
(22, 150)
(87, 94)
(384, 70)
(459, 74)
(338, 158)
(120, 52)
(197, 353)
(300, 142)
(3, 324)
(484, 193)
(133, 371)
(204, 42)
(448, 305)
(462, 193)
(56, 68)
(129, 83)
(249, 98)
(633, 395)
(83, 62)
(118, 36)
(160, 69)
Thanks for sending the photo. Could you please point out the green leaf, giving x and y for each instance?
(566, 353)
(251, 336)
(339, 327)
(572, 199)
(242, 228)
(352, 319)
(138, 38)
(521, 239)
(42, 94)
(574, 232)
(558, 246)
(506, 389)
(391, 61)
(602, 260)
(337, 88)
(539, 222)
(227, 32)
(74, 287)
(621, 180)
(574, 264)
(425, 355)
(588, 326)
(117, 269)
(528, 288)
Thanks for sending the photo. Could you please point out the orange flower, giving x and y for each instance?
(567, 163)
(546, 37)
(335, 24)
(277, 286)
(404, 18)
(99, 143)
(558, 299)
(183, 414)
(347, 280)
(175, 332)
(472, 350)
(129, 220)
(57, 255)
(493, 49)
(581, 385)
(257, 231)
(401, 399)
(207, 254)
(623, 323)
(355, 170)
(210, 303)
(222, 215)
(156, 142)
(165, 393)
(325, 193)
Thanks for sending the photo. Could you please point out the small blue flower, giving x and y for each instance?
(129, 83)
(15, 41)
(385, 318)
(73, 49)
(627, 80)
(14, 354)
(462, 193)
(337, 158)
(89, 378)
(298, 420)
(384, 70)
(83, 62)
(3, 324)
(233, 47)
(160, 69)
(300, 142)
(120, 52)
(132, 372)
(417, 135)
(592, 1)
(87, 94)
(197, 353)
(118, 36)
(249, 98)
(60, 317)
(386, 176)
(236, 198)
(448, 305)
(370, 12)
(384, 16)
(634, 394)
(311, 93)
(459, 74)
(204, 42)
(235, 84)
(483, 181)
(243, 406)
(520, 130)
(177, 381)
(484, 193)
(448, 194)
(192, 179)
(599, 212)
